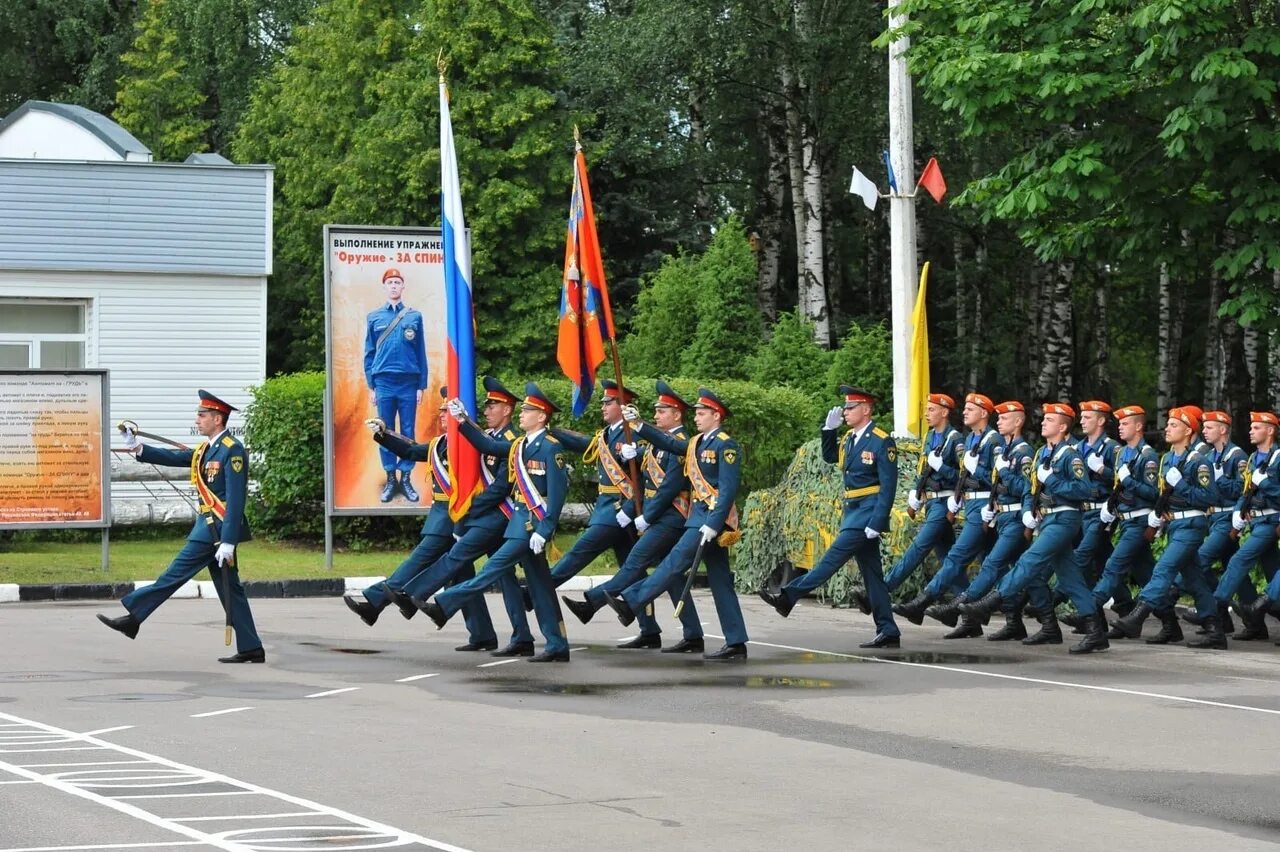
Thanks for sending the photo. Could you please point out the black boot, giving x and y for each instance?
(948, 613)
(1122, 608)
(1095, 637)
(1214, 636)
(983, 606)
(968, 629)
(1255, 625)
(1224, 619)
(407, 487)
(368, 612)
(1170, 630)
(1076, 621)
(1048, 634)
(1130, 627)
(1013, 628)
(389, 489)
(913, 610)
(403, 602)
(582, 610)
(1190, 616)
(126, 624)
(858, 598)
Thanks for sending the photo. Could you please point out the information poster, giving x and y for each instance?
(385, 308)
(53, 450)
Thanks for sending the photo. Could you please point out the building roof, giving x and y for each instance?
(111, 134)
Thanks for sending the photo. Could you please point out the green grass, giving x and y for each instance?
(29, 562)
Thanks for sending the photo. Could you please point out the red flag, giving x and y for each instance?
(931, 180)
(586, 317)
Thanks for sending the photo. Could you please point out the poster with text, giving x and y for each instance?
(53, 463)
(386, 337)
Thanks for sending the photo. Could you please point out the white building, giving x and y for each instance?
(155, 271)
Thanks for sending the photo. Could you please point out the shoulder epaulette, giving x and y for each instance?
(508, 432)
(879, 433)
(551, 438)
(228, 441)
(722, 435)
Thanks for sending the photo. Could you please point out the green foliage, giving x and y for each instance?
(662, 327)
(864, 359)
(350, 118)
(792, 357)
(157, 102)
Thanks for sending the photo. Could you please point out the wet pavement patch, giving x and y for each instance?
(533, 687)
(47, 677)
(342, 650)
(143, 697)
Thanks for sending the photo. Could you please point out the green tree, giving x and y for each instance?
(791, 357)
(729, 328)
(157, 102)
(663, 322)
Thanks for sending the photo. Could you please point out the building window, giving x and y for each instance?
(38, 334)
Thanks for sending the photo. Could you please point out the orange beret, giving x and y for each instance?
(1263, 417)
(1063, 408)
(391, 273)
(1096, 405)
(942, 399)
(1010, 406)
(1217, 417)
(981, 400)
(1188, 414)
(1130, 411)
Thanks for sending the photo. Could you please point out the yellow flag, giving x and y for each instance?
(919, 360)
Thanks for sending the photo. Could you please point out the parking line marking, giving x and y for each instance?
(187, 795)
(245, 816)
(107, 846)
(497, 663)
(412, 678)
(218, 712)
(89, 763)
(332, 692)
(64, 748)
(102, 731)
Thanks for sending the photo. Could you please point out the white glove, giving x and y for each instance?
(456, 409)
(1155, 521)
(1238, 521)
(913, 502)
(1002, 463)
(131, 441)
(225, 553)
(641, 524)
(1105, 516)
(870, 533)
(1123, 473)
(988, 514)
(1045, 473)
(375, 425)
(457, 537)
(1095, 463)
(1173, 477)
(1259, 476)
(707, 533)
(630, 413)
(1217, 472)
(834, 418)
(1029, 520)
(935, 459)
(971, 462)
(537, 542)
(953, 505)
(628, 452)
(624, 520)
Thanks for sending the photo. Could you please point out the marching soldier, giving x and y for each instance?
(536, 465)
(1185, 492)
(712, 465)
(660, 525)
(1099, 452)
(609, 526)
(1058, 490)
(941, 455)
(437, 537)
(220, 472)
(868, 460)
(1135, 490)
(395, 369)
(972, 493)
(1011, 471)
(1258, 511)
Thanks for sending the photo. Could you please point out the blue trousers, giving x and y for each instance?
(971, 545)
(194, 557)
(851, 544)
(676, 564)
(429, 549)
(397, 397)
(1094, 547)
(546, 606)
(1130, 558)
(456, 565)
(1219, 547)
(1051, 553)
(1009, 545)
(1179, 558)
(1260, 546)
(593, 541)
(649, 550)
(935, 533)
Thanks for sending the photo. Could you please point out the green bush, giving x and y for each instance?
(865, 360)
(792, 357)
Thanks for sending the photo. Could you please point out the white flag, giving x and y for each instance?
(862, 187)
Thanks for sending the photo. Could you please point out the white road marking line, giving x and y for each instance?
(404, 837)
(1020, 678)
(102, 731)
(583, 648)
(64, 748)
(497, 663)
(90, 763)
(332, 692)
(19, 782)
(106, 846)
(245, 816)
(219, 712)
(188, 795)
(412, 678)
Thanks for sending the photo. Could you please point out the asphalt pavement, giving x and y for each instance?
(352, 737)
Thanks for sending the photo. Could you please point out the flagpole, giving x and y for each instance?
(902, 222)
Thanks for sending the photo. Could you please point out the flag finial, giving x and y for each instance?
(441, 64)
(577, 138)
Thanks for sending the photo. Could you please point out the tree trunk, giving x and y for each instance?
(1101, 337)
(961, 310)
(1249, 338)
(1214, 357)
(814, 288)
(980, 278)
(1055, 380)
(795, 164)
(1273, 352)
(1165, 347)
(770, 226)
(698, 133)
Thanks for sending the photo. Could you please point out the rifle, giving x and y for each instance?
(1117, 488)
(995, 486)
(920, 472)
(1246, 506)
(693, 573)
(1035, 487)
(962, 479)
(1163, 498)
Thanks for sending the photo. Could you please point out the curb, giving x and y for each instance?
(203, 589)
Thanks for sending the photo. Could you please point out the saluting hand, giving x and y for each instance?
(834, 417)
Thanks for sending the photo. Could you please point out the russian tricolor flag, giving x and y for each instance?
(464, 459)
